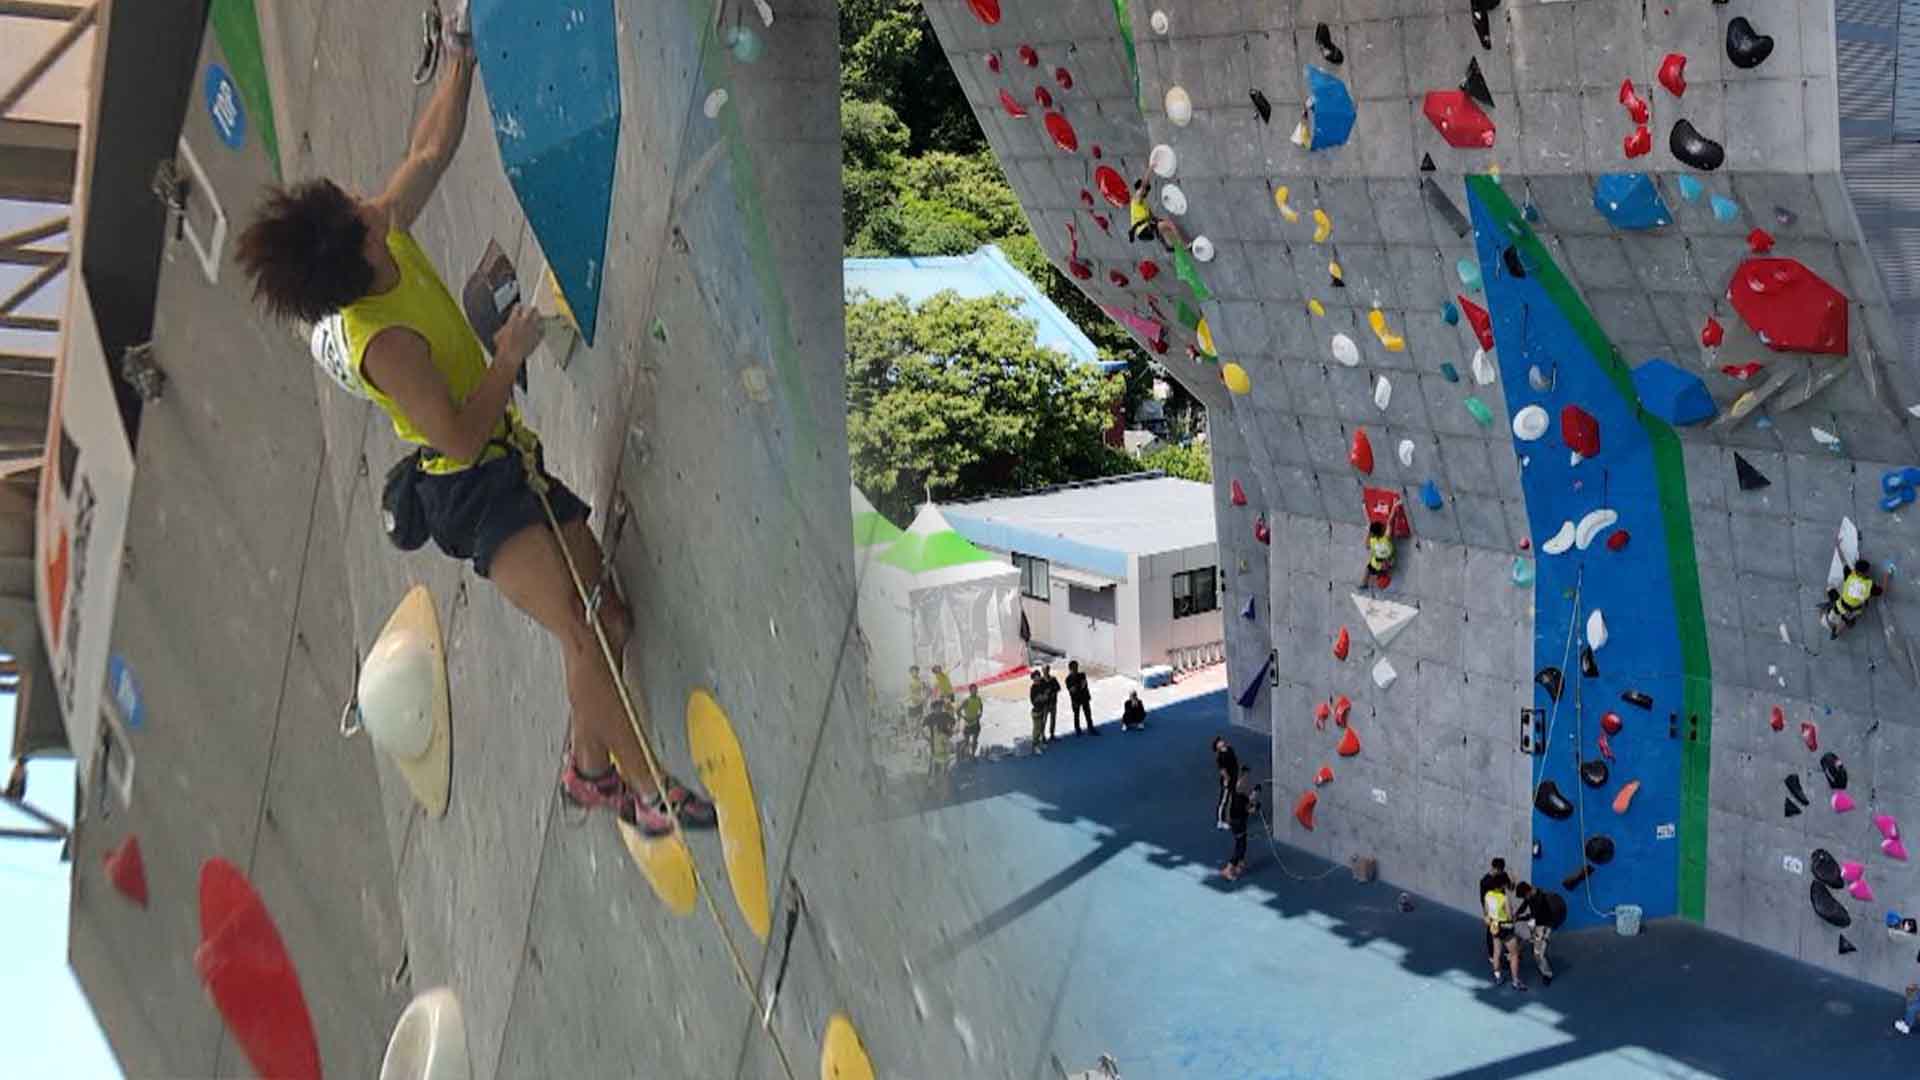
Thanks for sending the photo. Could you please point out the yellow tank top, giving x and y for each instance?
(421, 303)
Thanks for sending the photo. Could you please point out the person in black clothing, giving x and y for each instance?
(1080, 697)
(1543, 912)
(1242, 805)
(1037, 698)
(1134, 715)
(1053, 704)
(1228, 764)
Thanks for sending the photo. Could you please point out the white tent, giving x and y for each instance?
(932, 597)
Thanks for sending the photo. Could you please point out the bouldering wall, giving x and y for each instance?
(1583, 287)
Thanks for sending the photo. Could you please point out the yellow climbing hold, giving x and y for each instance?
(842, 1055)
(1206, 337)
(1378, 320)
(1334, 272)
(561, 308)
(1280, 200)
(1236, 379)
(723, 771)
(667, 865)
(1316, 307)
(1322, 226)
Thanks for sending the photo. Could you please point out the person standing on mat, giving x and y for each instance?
(970, 711)
(1037, 699)
(1242, 805)
(313, 250)
(1497, 903)
(1541, 912)
(1080, 697)
(1905, 1024)
(1053, 703)
(1227, 764)
(1496, 870)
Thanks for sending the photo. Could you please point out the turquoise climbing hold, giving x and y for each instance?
(1430, 494)
(1725, 209)
(1480, 412)
(1690, 188)
(1630, 201)
(1449, 372)
(1450, 313)
(1522, 571)
(1469, 272)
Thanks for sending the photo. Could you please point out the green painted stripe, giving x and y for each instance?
(237, 27)
(1682, 569)
(1125, 18)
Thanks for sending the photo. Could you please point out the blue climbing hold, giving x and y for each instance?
(1531, 213)
(1898, 484)
(1247, 612)
(1430, 495)
(1672, 393)
(1690, 188)
(1332, 107)
(1631, 201)
(1449, 372)
(1450, 313)
(1725, 209)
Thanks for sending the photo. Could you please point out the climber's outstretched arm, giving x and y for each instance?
(435, 138)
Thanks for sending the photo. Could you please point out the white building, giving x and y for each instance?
(1120, 573)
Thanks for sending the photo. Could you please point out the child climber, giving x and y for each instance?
(1848, 602)
(1379, 555)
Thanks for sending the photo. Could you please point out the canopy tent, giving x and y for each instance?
(932, 597)
(870, 527)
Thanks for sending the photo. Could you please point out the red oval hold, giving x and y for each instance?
(1113, 187)
(1044, 96)
(1027, 55)
(1618, 541)
(1063, 77)
(987, 11)
(1096, 151)
(1148, 271)
(1062, 132)
(1086, 198)
(993, 63)
(1119, 279)
(1014, 108)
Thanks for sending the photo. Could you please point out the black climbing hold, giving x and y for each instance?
(1573, 880)
(1826, 869)
(1639, 699)
(1694, 148)
(1475, 84)
(1593, 773)
(1600, 850)
(1750, 478)
(1338, 281)
(1548, 800)
(1793, 808)
(1482, 24)
(1587, 665)
(1261, 105)
(1426, 163)
(1747, 47)
(1551, 681)
(1826, 906)
(1444, 206)
(1846, 946)
(1799, 793)
(1836, 772)
(1323, 37)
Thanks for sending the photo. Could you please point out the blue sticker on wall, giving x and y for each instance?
(223, 105)
(126, 692)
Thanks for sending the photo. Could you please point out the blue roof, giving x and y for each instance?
(981, 274)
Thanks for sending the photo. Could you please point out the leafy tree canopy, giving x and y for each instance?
(1185, 462)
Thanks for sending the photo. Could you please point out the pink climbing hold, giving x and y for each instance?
(1712, 334)
(1673, 74)
(1477, 318)
(1013, 107)
(1236, 494)
(1360, 454)
(1792, 308)
(1893, 849)
(1458, 120)
(1851, 871)
(1779, 720)
(1636, 107)
(1860, 890)
(1842, 802)
(1580, 431)
(1888, 827)
(1639, 143)
(1617, 540)
(1606, 746)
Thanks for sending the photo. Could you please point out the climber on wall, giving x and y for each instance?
(1380, 555)
(313, 250)
(1141, 225)
(1847, 603)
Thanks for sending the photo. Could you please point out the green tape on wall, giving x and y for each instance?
(237, 27)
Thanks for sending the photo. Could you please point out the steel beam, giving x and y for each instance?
(57, 48)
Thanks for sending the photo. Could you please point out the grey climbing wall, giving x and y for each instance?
(1440, 782)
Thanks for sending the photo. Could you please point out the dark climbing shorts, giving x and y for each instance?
(472, 513)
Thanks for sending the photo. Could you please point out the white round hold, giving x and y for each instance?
(715, 102)
(1530, 423)
(1158, 20)
(1345, 351)
(1173, 200)
(1202, 249)
(1163, 161)
(1382, 393)
(1596, 630)
(1406, 453)
(1179, 106)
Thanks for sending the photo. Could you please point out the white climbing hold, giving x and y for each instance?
(1163, 161)
(1202, 248)
(1299, 138)
(1592, 526)
(761, 6)
(1825, 438)
(1384, 618)
(1383, 673)
(1539, 380)
(1345, 351)
(1158, 20)
(1483, 369)
(1596, 630)
(1914, 409)
(1574, 458)
(715, 102)
(1179, 106)
(1173, 200)
(1406, 453)
(1382, 393)
(1530, 423)
(1561, 541)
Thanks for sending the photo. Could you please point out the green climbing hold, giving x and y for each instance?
(1480, 412)
(1522, 571)
(1469, 272)
(1184, 269)
(1189, 318)
(1449, 372)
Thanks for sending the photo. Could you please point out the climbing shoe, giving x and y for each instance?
(693, 811)
(609, 790)
(1901, 1027)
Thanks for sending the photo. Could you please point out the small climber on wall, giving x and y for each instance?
(1380, 555)
(1847, 603)
(1141, 225)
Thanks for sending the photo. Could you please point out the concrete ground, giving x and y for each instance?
(1298, 971)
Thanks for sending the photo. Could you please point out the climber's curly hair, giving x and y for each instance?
(304, 251)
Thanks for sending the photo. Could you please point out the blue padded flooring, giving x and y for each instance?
(1110, 875)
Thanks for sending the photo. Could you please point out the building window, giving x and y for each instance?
(1095, 604)
(1033, 576)
(1195, 592)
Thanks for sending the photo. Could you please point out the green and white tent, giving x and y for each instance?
(870, 527)
(933, 597)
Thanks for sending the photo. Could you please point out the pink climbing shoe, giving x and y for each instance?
(611, 791)
(693, 811)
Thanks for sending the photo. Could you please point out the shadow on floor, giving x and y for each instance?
(1128, 817)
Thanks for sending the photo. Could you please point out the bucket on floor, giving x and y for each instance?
(1626, 920)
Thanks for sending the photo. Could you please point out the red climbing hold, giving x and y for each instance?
(1743, 372)
(1113, 187)
(1148, 269)
(1580, 431)
(1638, 143)
(1673, 74)
(1063, 77)
(1606, 747)
(1342, 708)
(1792, 308)
(1043, 97)
(1236, 494)
(1636, 107)
(1712, 334)
(1458, 120)
(993, 63)
(1062, 132)
(1086, 198)
(1119, 279)
(127, 871)
(1105, 226)
(1095, 151)
(1809, 735)
(1617, 540)
(1349, 743)
(1610, 723)
(1029, 57)
(1260, 530)
(1013, 107)
(987, 11)
(1341, 643)
(1360, 454)
(1477, 318)
(1778, 722)
(1320, 714)
(1324, 776)
(1759, 241)
(1303, 810)
(246, 970)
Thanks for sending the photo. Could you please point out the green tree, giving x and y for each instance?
(1185, 462)
(889, 54)
(873, 146)
(957, 396)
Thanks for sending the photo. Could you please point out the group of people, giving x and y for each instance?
(1513, 910)
(1044, 696)
(952, 728)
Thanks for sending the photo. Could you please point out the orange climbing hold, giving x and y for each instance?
(1341, 643)
(1324, 776)
(1303, 810)
(127, 871)
(1349, 743)
(1477, 318)
(1360, 454)
(1625, 798)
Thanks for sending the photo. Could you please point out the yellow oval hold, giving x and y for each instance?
(1316, 307)
(842, 1055)
(667, 865)
(1236, 378)
(1206, 337)
(1322, 226)
(723, 772)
